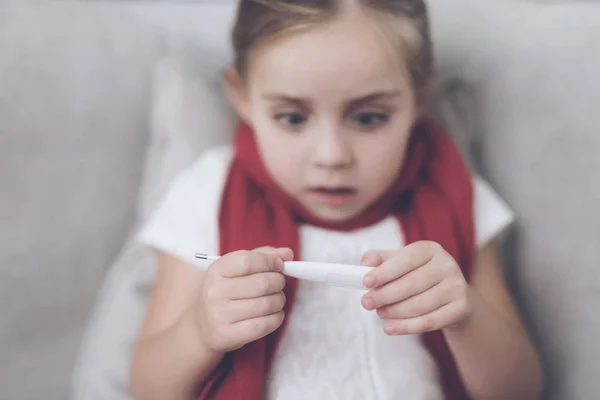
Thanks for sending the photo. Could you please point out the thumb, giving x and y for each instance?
(285, 253)
(374, 258)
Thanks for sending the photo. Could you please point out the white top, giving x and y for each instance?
(333, 348)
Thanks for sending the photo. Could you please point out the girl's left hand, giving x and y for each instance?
(417, 289)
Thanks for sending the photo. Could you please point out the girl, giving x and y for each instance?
(335, 161)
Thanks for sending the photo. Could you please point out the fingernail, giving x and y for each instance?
(390, 330)
(368, 303)
(279, 264)
(369, 281)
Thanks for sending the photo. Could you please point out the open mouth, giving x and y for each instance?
(340, 191)
(334, 195)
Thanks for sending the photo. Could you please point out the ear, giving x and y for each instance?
(237, 92)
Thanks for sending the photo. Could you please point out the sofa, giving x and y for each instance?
(103, 102)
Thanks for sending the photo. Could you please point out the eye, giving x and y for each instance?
(293, 120)
(369, 120)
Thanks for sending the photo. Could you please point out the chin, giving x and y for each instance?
(336, 215)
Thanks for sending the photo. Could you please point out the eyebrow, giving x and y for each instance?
(379, 95)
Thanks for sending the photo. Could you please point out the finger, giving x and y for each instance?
(409, 285)
(253, 329)
(243, 263)
(284, 252)
(265, 249)
(256, 285)
(374, 258)
(400, 263)
(439, 319)
(241, 310)
(421, 304)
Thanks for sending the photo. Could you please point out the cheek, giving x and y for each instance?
(279, 152)
(382, 160)
(384, 166)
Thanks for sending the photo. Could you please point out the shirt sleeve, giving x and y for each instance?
(492, 214)
(185, 222)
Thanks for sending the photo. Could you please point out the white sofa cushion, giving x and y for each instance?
(189, 114)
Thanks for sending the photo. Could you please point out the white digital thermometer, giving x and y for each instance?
(350, 276)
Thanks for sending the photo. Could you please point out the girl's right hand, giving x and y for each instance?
(242, 298)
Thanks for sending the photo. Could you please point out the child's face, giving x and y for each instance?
(332, 111)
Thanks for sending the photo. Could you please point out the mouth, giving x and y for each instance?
(334, 195)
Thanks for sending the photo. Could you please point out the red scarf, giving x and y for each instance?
(432, 199)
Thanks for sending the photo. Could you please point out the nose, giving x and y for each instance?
(333, 151)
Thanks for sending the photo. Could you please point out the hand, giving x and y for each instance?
(417, 289)
(242, 298)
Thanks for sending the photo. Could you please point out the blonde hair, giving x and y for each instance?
(261, 21)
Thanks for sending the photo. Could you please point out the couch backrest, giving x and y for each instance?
(74, 100)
